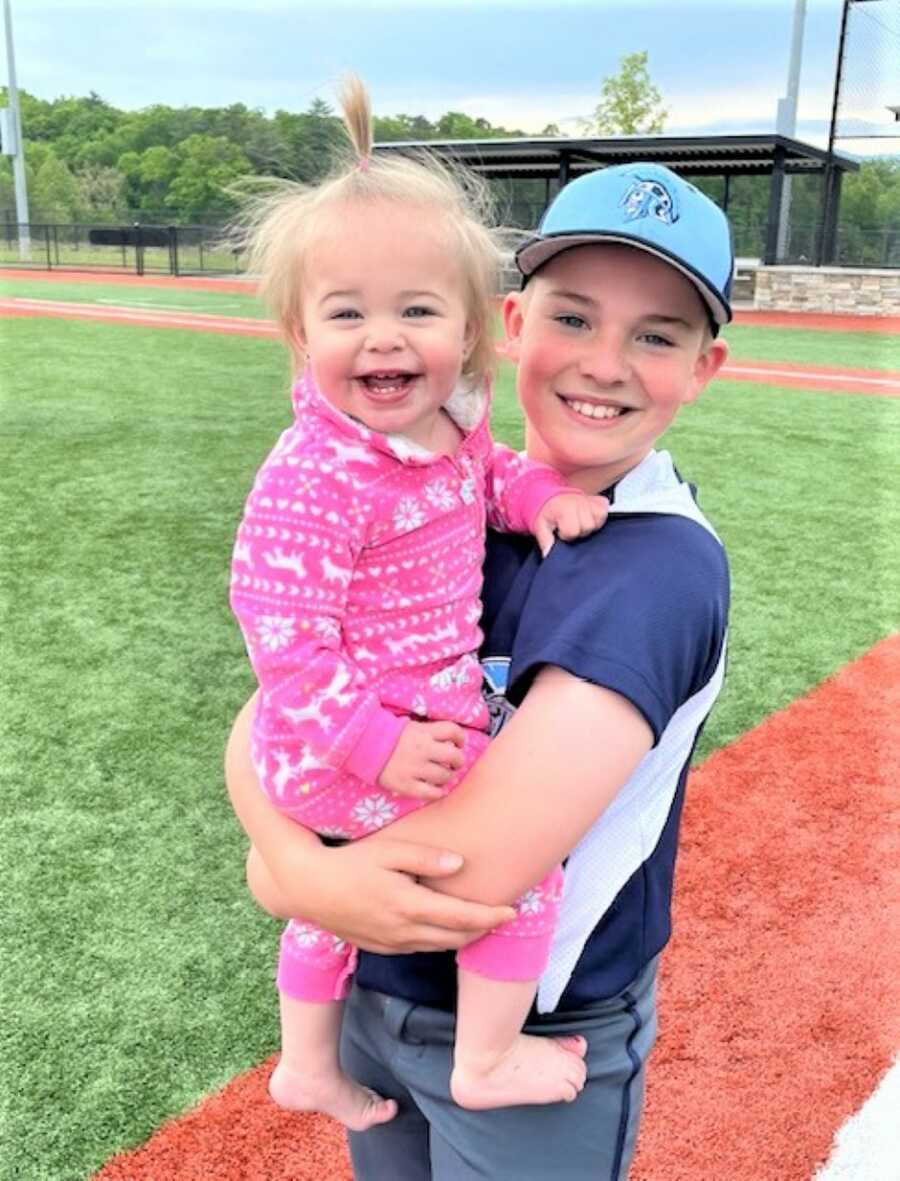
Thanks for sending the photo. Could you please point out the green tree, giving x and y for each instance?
(399, 128)
(311, 140)
(101, 194)
(207, 165)
(629, 102)
(157, 170)
(54, 196)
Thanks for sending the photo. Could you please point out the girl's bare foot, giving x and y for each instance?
(532, 1070)
(332, 1093)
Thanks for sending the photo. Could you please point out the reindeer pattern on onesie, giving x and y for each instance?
(356, 580)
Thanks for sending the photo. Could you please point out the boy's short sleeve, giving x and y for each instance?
(640, 608)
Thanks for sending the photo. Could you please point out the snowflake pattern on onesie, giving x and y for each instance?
(356, 580)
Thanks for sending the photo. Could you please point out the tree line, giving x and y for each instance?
(88, 161)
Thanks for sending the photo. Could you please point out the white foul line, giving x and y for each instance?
(867, 1147)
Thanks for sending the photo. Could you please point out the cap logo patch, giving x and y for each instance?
(650, 198)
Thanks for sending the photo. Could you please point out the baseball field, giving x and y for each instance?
(139, 1015)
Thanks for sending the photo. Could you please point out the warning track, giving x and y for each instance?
(816, 377)
(780, 993)
(817, 321)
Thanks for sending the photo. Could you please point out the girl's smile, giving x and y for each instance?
(384, 318)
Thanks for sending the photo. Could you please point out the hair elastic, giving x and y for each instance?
(363, 164)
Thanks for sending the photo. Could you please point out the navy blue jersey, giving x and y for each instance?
(640, 608)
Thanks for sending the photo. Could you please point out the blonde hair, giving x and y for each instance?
(278, 226)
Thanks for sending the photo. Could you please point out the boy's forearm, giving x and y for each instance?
(538, 788)
(521, 809)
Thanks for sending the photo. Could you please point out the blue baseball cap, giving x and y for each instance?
(646, 206)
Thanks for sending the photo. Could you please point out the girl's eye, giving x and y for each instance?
(345, 314)
(418, 312)
(571, 320)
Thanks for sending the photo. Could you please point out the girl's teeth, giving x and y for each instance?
(386, 385)
(591, 410)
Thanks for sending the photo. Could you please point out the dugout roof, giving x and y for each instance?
(553, 158)
(558, 158)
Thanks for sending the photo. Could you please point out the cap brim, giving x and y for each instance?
(536, 251)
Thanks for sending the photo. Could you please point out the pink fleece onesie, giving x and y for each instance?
(356, 580)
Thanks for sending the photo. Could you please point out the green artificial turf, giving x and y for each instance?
(798, 346)
(133, 295)
(137, 975)
(861, 350)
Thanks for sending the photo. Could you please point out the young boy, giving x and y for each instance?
(603, 661)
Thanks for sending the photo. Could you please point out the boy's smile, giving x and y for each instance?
(610, 342)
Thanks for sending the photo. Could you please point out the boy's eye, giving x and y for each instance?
(571, 320)
(654, 338)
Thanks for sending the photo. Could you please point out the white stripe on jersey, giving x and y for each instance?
(628, 831)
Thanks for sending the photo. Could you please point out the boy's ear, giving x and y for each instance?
(512, 324)
(710, 360)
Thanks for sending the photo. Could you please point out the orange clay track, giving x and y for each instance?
(805, 376)
(763, 319)
(780, 993)
(195, 282)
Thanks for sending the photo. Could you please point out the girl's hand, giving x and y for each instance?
(367, 893)
(423, 760)
(569, 515)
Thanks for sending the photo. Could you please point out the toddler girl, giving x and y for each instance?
(356, 582)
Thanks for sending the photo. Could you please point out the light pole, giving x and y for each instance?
(15, 119)
(787, 121)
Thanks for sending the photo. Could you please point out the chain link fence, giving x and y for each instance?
(200, 250)
(139, 249)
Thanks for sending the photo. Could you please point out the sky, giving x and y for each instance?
(721, 66)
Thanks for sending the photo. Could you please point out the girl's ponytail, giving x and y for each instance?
(357, 111)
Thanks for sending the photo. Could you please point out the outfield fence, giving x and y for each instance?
(199, 250)
(137, 249)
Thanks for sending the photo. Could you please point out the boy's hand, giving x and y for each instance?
(423, 760)
(569, 515)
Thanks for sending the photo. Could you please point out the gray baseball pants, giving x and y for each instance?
(404, 1051)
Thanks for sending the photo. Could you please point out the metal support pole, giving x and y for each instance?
(173, 250)
(563, 170)
(726, 193)
(787, 119)
(829, 188)
(830, 227)
(771, 255)
(19, 158)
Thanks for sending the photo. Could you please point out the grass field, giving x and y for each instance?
(63, 254)
(747, 342)
(137, 976)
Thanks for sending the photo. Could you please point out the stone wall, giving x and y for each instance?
(845, 290)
